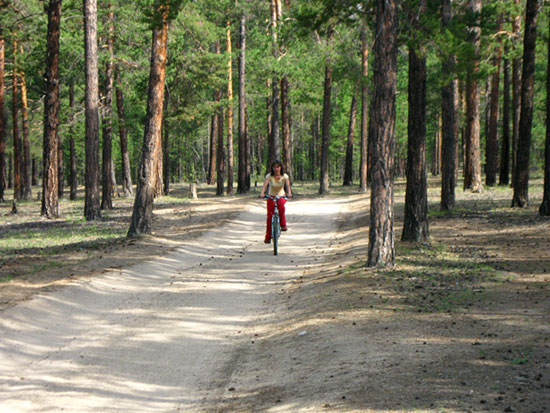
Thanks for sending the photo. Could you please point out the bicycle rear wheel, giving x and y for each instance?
(275, 230)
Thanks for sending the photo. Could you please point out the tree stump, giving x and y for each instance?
(193, 191)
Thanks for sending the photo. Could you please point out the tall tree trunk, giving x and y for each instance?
(50, 200)
(436, 159)
(521, 181)
(491, 151)
(142, 215)
(472, 169)
(364, 110)
(166, 148)
(73, 179)
(274, 142)
(230, 159)
(516, 90)
(415, 225)
(91, 202)
(126, 172)
(242, 186)
(213, 147)
(286, 124)
(17, 155)
(107, 189)
(449, 122)
(2, 125)
(505, 149)
(26, 178)
(381, 238)
(325, 131)
(348, 168)
(544, 208)
(220, 152)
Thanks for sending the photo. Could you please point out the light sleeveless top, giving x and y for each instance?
(277, 186)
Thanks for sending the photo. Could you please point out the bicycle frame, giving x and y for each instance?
(275, 223)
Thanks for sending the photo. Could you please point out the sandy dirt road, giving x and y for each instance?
(159, 336)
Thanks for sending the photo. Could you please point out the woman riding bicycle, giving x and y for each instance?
(277, 181)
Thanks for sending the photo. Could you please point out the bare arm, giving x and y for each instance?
(264, 188)
(288, 190)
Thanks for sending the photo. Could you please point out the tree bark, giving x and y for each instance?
(381, 237)
(91, 202)
(107, 189)
(472, 167)
(325, 129)
(230, 159)
(73, 179)
(516, 91)
(415, 225)
(521, 181)
(17, 152)
(505, 148)
(449, 123)
(213, 146)
(2, 125)
(544, 209)
(274, 140)
(286, 124)
(50, 200)
(26, 178)
(348, 163)
(166, 162)
(142, 215)
(242, 186)
(127, 189)
(220, 152)
(491, 150)
(364, 110)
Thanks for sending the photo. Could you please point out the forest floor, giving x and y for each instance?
(459, 324)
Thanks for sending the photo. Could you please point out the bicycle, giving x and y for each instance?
(275, 223)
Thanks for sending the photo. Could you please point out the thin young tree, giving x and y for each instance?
(17, 157)
(472, 166)
(73, 179)
(415, 224)
(544, 208)
(274, 139)
(26, 175)
(142, 215)
(325, 129)
(491, 151)
(285, 127)
(504, 177)
(521, 181)
(92, 209)
(50, 200)
(516, 86)
(127, 189)
(381, 250)
(213, 146)
(348, 162)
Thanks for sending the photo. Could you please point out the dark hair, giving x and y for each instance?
(276, 162)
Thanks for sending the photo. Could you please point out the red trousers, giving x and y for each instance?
(270, 210)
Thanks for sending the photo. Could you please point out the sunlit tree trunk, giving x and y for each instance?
(472, 167)
(213, 147)
(91, 176)
(107, 189)
(2, 125)
(17, 180)
(230, 159)
(449, 122)
(274, 140)
(521, 181)
(26, 177)
(73, 179)
(50, 200)
(364, 110)
(325, 130)
(381, 250)
(142, 215)
(286, 124)
(242, 185)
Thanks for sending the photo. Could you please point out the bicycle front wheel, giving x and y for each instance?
(275, 231)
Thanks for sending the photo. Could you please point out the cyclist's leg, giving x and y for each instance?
(270, 208)
(282, 217)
